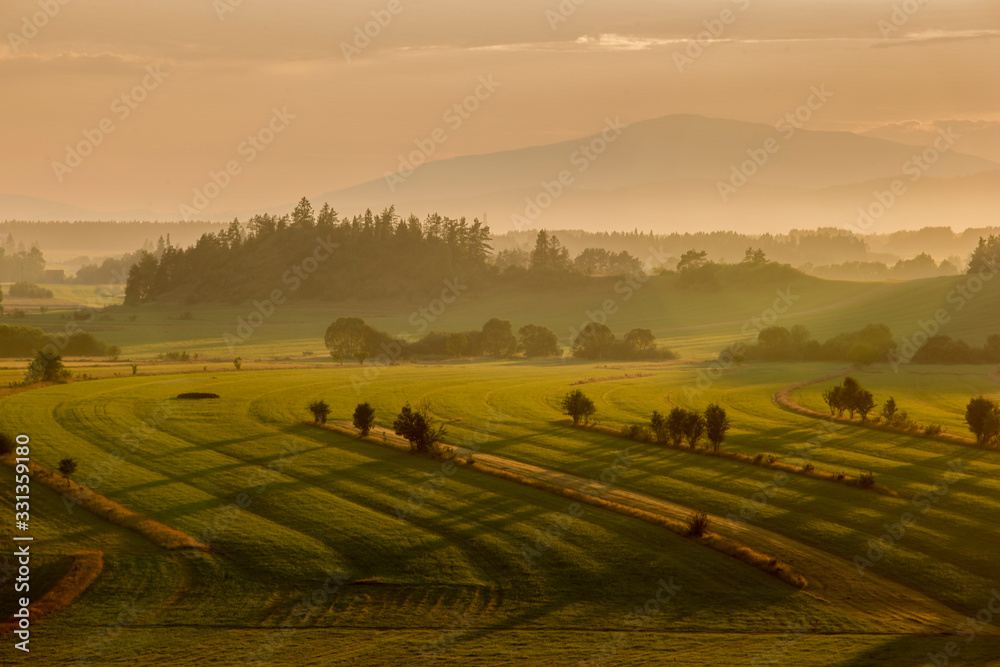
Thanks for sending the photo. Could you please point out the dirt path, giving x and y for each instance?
(86, 567)
(832, 579)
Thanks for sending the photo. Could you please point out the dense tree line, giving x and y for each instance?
(869, 345)
(16, 341)
(20, 263)
(942, 349)
(597, 342)
(318, 255)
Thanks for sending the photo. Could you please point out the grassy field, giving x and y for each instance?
(697, 323)
(401, 558)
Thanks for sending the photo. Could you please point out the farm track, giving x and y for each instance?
(832, 579)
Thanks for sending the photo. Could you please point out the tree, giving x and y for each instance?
(417, 427)
(67, 467)
(694, 428)
(538, 341)
(863, 354)
(754, 257)
(46, 368)
(677, 425)
(716, 425)
(850, 394)
(889, 411)
(320, 411)
(864, 404)
(640, 341)
(986, 256)
(983, 418)
(303, 216)
(498, 339)
(595, 341)
(578, 406)
(238, 363)
(834, 397)
(351, 337)
(658, 425)
(364, 418)
(692, 259)
(457, 344)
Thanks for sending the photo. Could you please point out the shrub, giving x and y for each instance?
(7, 444)
(771, 459)
(320, 411)
(67, 467)
(758, 458)
(578, 406)
(809, 467)
(417, 427)
(867, 480)
(27, 290)
(933, 429)
(697, 525)
(364, 418)
(637, 432)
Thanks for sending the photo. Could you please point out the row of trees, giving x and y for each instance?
(18, 341)
(674, 428)
(942, 349)
(871, 344)
(596, 341)
(850, 397)
(415, 425)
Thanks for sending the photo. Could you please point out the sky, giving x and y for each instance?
(160, 95)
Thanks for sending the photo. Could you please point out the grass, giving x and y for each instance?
(316, 502)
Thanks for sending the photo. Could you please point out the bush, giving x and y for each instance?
(67, 467)
(697, 525)
(637, 432)
(7, 444)
(364, 418)
(320, 410)
(808, 467)
(933, 429)
(27, 290)
(417, 427)
(867, 480)
(578, 406)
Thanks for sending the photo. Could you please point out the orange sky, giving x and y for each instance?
(560, 76)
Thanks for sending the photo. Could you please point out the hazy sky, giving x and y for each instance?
(228, 64)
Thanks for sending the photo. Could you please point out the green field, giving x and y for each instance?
(452, 572)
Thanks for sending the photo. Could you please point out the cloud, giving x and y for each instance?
(934, 36)
(100, 64)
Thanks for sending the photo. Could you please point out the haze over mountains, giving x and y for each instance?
(665, 174)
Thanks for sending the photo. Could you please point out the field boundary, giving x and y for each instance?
(86, 567)
(515, 471)
(73, 493)
(737, 457)
(783, 399)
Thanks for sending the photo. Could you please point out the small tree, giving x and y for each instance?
(676, 425)
(238, 362)
(697, 525)
(716, 425)
(694, 428)
(578, 406)
(67, 467)
(864, 404)
(983, 418)
(135, 369)
(320, 411)
(46, 368)
(834, 397)
(889, 411)
(658, 425)
(850, 394)
(364, 418)
(417, 427)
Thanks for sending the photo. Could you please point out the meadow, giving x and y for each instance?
(323, 548)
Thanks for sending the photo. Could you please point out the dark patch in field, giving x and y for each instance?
(197, 396)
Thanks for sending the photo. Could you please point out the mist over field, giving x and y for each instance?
(532, 332)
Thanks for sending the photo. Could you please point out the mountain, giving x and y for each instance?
(659, 169)
(17, 207)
